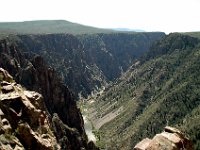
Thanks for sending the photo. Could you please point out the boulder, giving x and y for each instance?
(170, 139)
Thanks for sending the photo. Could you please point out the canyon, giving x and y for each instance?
(127, 85)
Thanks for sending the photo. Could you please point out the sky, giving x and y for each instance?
(149, 15)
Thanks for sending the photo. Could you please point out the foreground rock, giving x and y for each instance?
(26, 124)
(170, 139)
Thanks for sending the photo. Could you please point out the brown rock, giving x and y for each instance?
(17, 147)
(4, 75)
(173, 130)
(6, 126)
(170, 139)
(24, 113)
(142, 145)
(35, 98)
(10, 142)
(8, 88)
(160, 143)
(32, 140)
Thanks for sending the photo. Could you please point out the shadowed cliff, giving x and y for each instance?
(89, 61)
(31, 71)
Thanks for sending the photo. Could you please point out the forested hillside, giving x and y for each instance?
(163, 88)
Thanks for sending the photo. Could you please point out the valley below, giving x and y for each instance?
(149, 96)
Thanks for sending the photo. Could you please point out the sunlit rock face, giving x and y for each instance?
(24, 121)
(170, 139)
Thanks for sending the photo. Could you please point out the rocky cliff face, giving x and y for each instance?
(24, 123)
(170, 139)
(86, 62)
(31, 71)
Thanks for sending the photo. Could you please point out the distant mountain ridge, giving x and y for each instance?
(48, 27)
(128, 30)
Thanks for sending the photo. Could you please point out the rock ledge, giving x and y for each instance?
(170, 139)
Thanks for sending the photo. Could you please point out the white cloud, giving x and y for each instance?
(150, 15)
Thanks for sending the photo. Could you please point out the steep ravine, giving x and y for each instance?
(44, 62)
(162, 89)
(31, 71)
(89, 61)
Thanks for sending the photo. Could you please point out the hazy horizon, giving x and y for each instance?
(166, 15)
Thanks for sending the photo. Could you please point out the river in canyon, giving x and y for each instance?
(88, 129)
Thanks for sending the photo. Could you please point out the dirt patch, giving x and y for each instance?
(98, 122)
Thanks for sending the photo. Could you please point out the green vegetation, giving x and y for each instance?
(193, 34)
(164, 89)
(48, 27)
(191, 126)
